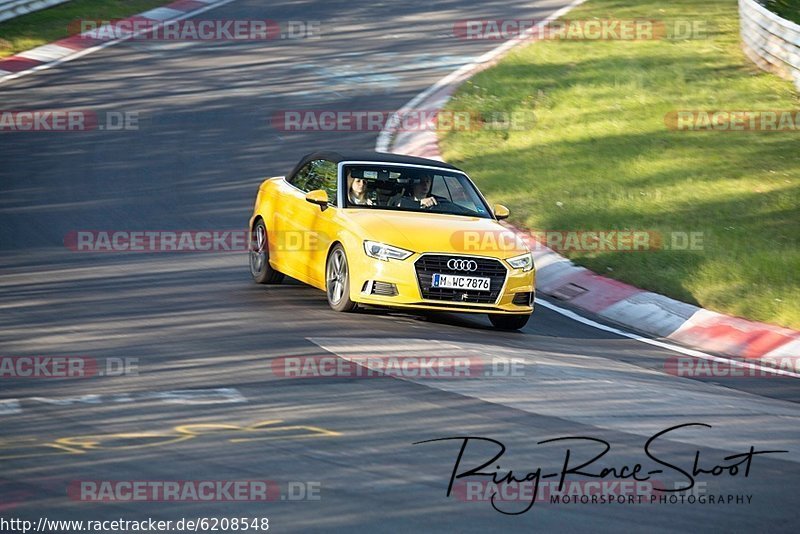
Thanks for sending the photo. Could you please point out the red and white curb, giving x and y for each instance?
(661, 316)
(73, 47)
(558, 277)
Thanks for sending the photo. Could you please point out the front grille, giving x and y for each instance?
(427, 265)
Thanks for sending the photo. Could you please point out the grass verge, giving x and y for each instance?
(600, 156)
(42, 27)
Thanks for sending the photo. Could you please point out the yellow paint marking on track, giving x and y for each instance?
(96, 441)
(316, 432)
(258, 426)
(139, 440)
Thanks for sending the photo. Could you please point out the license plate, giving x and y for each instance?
(451, 281)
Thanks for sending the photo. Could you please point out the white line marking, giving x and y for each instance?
(9, 407)
(599, 392)
(661, 344)
(199, 396)
(48, 52)
(162, 13)
(181, 396)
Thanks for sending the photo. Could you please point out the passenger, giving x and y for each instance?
(357, 191)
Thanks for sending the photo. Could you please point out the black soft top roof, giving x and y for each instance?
(378, 157)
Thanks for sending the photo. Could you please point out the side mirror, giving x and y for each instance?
(501, 212)
(319, 197)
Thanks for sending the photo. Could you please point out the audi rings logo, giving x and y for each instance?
(462, 265)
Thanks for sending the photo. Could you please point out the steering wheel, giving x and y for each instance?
(446, 205)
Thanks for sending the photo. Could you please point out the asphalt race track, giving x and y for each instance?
(195, 321)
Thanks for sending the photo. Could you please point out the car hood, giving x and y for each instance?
(436, 232)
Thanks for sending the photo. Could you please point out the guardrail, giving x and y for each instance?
(771, 42)
(14, 8)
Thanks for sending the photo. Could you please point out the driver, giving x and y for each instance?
(420, 196)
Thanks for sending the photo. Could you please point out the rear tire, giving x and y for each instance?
(260, 268)
(509, 322)
(337, 281)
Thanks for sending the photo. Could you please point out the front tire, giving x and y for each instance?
(260, 268)
(509, 322)
(337, 281)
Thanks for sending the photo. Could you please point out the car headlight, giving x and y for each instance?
(523, 261)
(382, 251)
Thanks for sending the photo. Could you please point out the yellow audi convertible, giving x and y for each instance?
(391, 230)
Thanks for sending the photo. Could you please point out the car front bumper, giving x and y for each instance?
(395, 283)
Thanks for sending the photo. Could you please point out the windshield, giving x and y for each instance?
(399, 188)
